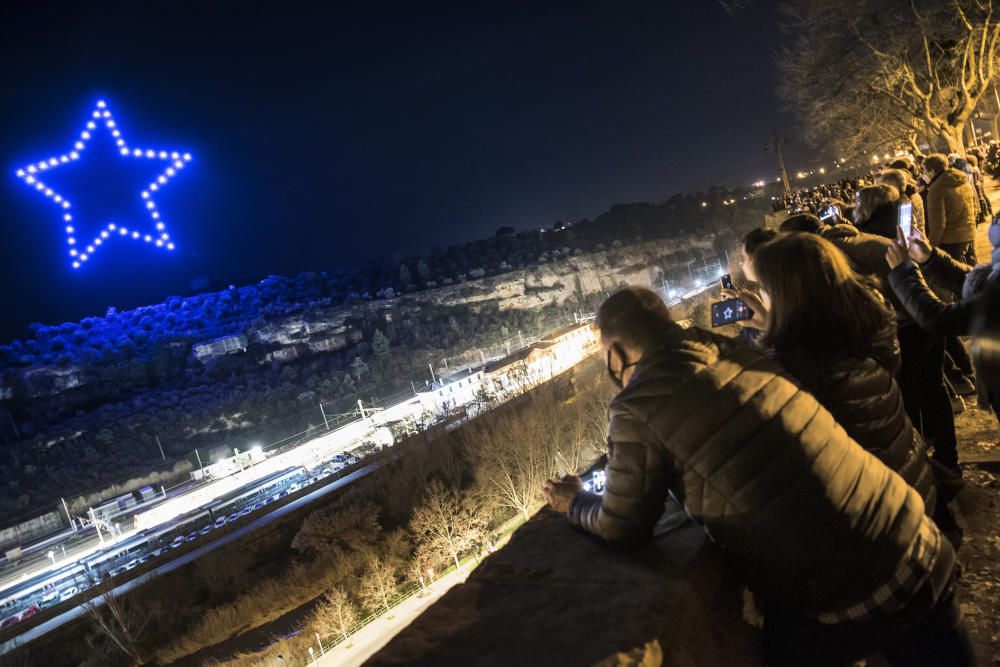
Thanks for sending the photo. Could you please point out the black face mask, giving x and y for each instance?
(617, 378)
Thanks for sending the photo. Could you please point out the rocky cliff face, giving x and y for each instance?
(324, 329)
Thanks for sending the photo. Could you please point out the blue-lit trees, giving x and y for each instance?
(79, 250)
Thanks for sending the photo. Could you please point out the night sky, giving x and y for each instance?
(323, 136)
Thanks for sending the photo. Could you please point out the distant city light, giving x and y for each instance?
(102, 115)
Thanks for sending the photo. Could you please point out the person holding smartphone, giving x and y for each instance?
(912, 257)
(836, 334)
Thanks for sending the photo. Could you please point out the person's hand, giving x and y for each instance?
(918, 247)
(896, 253)
(753, 302)
(559, 493)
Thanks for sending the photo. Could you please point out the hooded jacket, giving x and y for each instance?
(811, 520)
(951, 208)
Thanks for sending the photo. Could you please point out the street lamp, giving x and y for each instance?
(52, 556)
(312, 658)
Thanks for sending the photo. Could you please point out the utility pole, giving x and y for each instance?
(68, 515)
(325, 421)
(776, 143)
(431, 367)
(157, 438)
(361, 407)
(93, 520)
(199, 463)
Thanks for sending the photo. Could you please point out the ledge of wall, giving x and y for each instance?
(555, 596)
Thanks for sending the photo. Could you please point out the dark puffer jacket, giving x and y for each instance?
(810, 519)
(862, 395)
(930, 312)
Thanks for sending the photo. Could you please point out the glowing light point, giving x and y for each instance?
(101, 116)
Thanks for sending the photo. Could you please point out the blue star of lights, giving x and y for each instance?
(174, 162)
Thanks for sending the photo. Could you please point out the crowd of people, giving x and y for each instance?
(825, 466)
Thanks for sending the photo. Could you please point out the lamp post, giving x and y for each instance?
(312, 658)
(319, 643)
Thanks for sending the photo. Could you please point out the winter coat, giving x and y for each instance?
(811, 520)
(866, 253)
(950, 209)
(862, 395)
(882, 221)
(932, 314)
(975, 285)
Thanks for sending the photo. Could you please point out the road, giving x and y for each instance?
(78, 611)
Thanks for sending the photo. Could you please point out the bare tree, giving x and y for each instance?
(120, 619)
(515, 453)
(335, 614)
(345, 528)
(448, 522)
(878, 74)
(378, 584)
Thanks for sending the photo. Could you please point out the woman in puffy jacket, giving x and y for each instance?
(836, 334)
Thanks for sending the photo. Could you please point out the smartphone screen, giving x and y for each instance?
(906, 218)
(829, 213)
(727, 281)
(729, 311)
